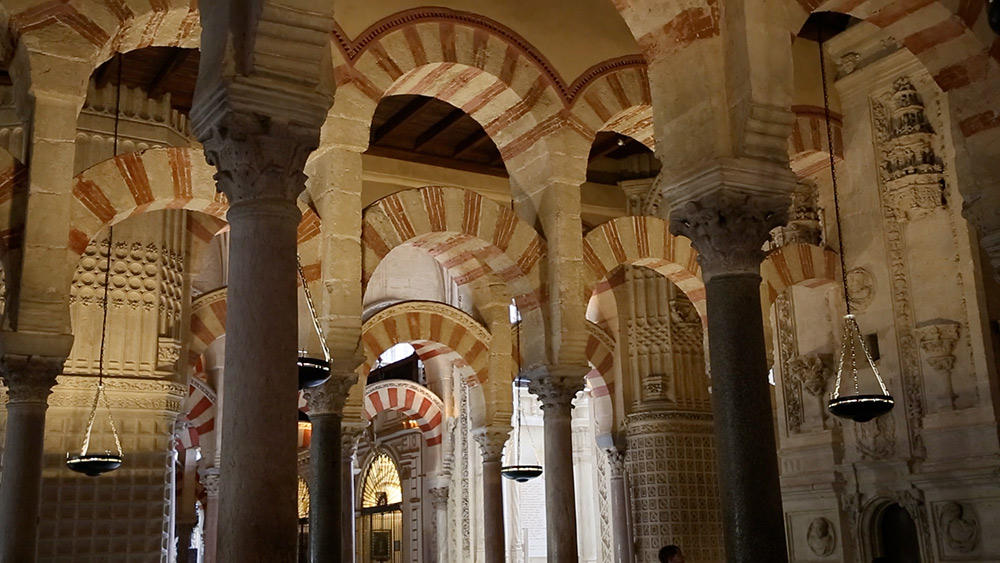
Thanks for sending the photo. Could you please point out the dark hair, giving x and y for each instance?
(668, 551)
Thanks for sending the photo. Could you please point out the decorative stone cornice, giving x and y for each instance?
(330, 397)
(556, 386)
(29, 379)
(123, 393)
(491, 441)
(729, 229)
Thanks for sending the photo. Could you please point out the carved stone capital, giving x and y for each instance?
(616, 462)
(258, 158)
(491, 441)
(556, 386)
(728, 209)
(729, 230)
(329, 398)
(29, 379)
(210, 480)
(439, 497)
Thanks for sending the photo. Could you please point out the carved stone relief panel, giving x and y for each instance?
(911, 172)
(860, 288)
(958, 528)
(809, 378)
(804, 219)
(937, 346)
(813, 536)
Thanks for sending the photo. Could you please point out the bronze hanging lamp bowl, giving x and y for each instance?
(521, 473)
(312, 371)
(857, 406)
(93, 465)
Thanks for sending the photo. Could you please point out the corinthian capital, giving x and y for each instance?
(616, 462)
(257, 157)
(728, 210)
(556, 386)
(329, 398)
(29, 379)
(491, 441)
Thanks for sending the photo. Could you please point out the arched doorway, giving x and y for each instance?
(898, 536)
(382, 512)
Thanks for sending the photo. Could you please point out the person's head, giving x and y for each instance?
(671, 554)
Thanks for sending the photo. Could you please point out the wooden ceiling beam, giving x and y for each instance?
(605, 148)
(398, 118)
(469, 143)
(173, 62)
(438, 128)
(104, 74)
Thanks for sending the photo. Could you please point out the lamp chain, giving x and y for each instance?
(312, 309)
(833, 169)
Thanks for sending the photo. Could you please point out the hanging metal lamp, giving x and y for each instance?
(518, 472)
(92, 464)
(312, 371)
(993, 15)
(856, 406)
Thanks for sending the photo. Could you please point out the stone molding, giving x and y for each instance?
(141, 394)
(330, 397)
(491, 442)
(29, 379)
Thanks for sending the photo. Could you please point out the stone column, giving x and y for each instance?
(326, 510)
(727, 211)
(184, 531)
(556, 386)
(439, 500)
(491, 442)
(29, 381)
(348, 448)
(210, 480)
(619, 506)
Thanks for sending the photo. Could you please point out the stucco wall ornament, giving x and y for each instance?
(821, 537)
(959, 526)
(910, 170)
(937, 343)
(860, 288)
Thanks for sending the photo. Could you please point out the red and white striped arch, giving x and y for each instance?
(808, 147)
(642, 241)
(469, 235)
(614, 96)
(601, 355)
(100, 28)
(208, 322)
(410, 399)
(796, 264)
(434, 329)
(199, 413)
(165, 178)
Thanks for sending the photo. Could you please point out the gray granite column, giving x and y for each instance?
(728, 212)
(491, 442)
(326, 510)
(619, 506)
(556, 386)
(29, 381)
(260, 165)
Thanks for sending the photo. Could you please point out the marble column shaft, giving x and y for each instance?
(619, 507)
(439, 500)
(259, 467)
(491, 443)
(210, 480)
(325, 490)
(29, 381)
(556, 391)
(728, 230)
(347, 500)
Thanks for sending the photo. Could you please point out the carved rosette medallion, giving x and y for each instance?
(958, 525)
(860, 288)
(821, 537)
